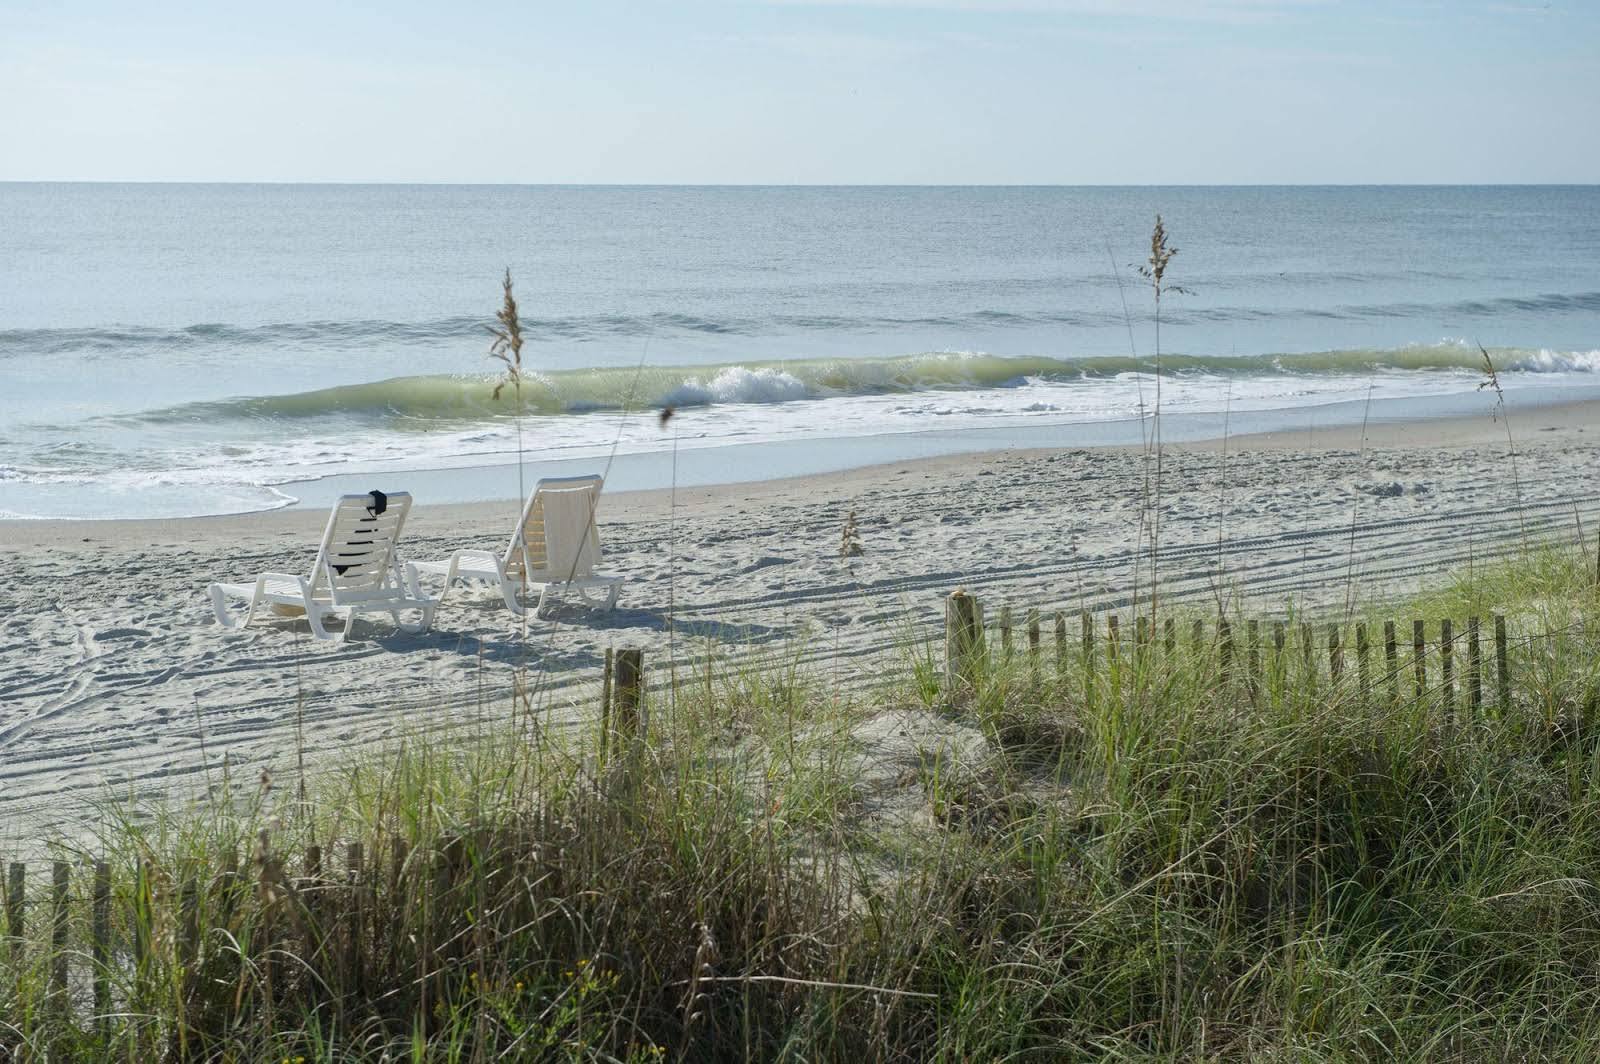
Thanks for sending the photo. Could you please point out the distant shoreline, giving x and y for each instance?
(1529, 425)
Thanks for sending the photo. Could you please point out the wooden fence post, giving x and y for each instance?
(1308, 651)
(1419, 649)
(1169, 636)
(1061, 643)
(963, 639)
(1197, 637)
(1141, 639)
(1501, 661)
(629, 693)
(1005, 632)
(1474, 668)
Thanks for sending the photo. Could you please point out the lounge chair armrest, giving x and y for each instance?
(474, 555)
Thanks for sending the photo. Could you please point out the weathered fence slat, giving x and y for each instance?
(16, 909)
(1502, 665)
(1419, 648)
(1447, 642)
(61, 878)
(1363, 670)
(1061, 643)
(1474, 667)
(101, 946)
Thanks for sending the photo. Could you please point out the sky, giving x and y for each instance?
(802, 91)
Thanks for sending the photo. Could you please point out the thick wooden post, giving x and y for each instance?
(1061, 643)
(1197, 637)
(1033, 642)
(1169, 636)
(1474, 668)
(1363, 671)
(1502, 663)
(629, 693)
(1005, 632)
(1335, 654)
(1141, 640)
(1308, 651)
(1419, 661)
(963, 639)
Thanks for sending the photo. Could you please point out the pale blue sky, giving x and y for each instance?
(802, 91)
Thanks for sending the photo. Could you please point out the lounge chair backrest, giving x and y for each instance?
(557, 538)
(357, 559)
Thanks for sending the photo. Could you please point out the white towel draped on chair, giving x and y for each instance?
(553, 549)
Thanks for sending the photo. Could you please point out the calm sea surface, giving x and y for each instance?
(173, 349)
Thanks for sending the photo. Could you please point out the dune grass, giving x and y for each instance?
(1153, 861)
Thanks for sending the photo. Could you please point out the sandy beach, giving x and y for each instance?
(116, 681)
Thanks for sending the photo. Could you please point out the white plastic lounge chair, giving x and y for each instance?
(356, 571)
(553, 549)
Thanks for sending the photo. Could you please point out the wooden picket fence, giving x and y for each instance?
(1249, 653)
(239, 938)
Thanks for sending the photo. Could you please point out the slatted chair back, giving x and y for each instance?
(557, 539)
(357, 559)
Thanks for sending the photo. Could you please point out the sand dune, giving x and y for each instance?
(115, 680)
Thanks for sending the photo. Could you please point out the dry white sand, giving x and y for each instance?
(114, 676)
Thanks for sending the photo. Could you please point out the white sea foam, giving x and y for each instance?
(738, 384)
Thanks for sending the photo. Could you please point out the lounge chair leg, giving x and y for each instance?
(611, 597)
(421, 626)
(219, 604)
(508, 591)
(314, 617)
(544, 596)
(414, 583)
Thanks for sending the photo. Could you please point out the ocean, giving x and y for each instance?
(179, 350)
